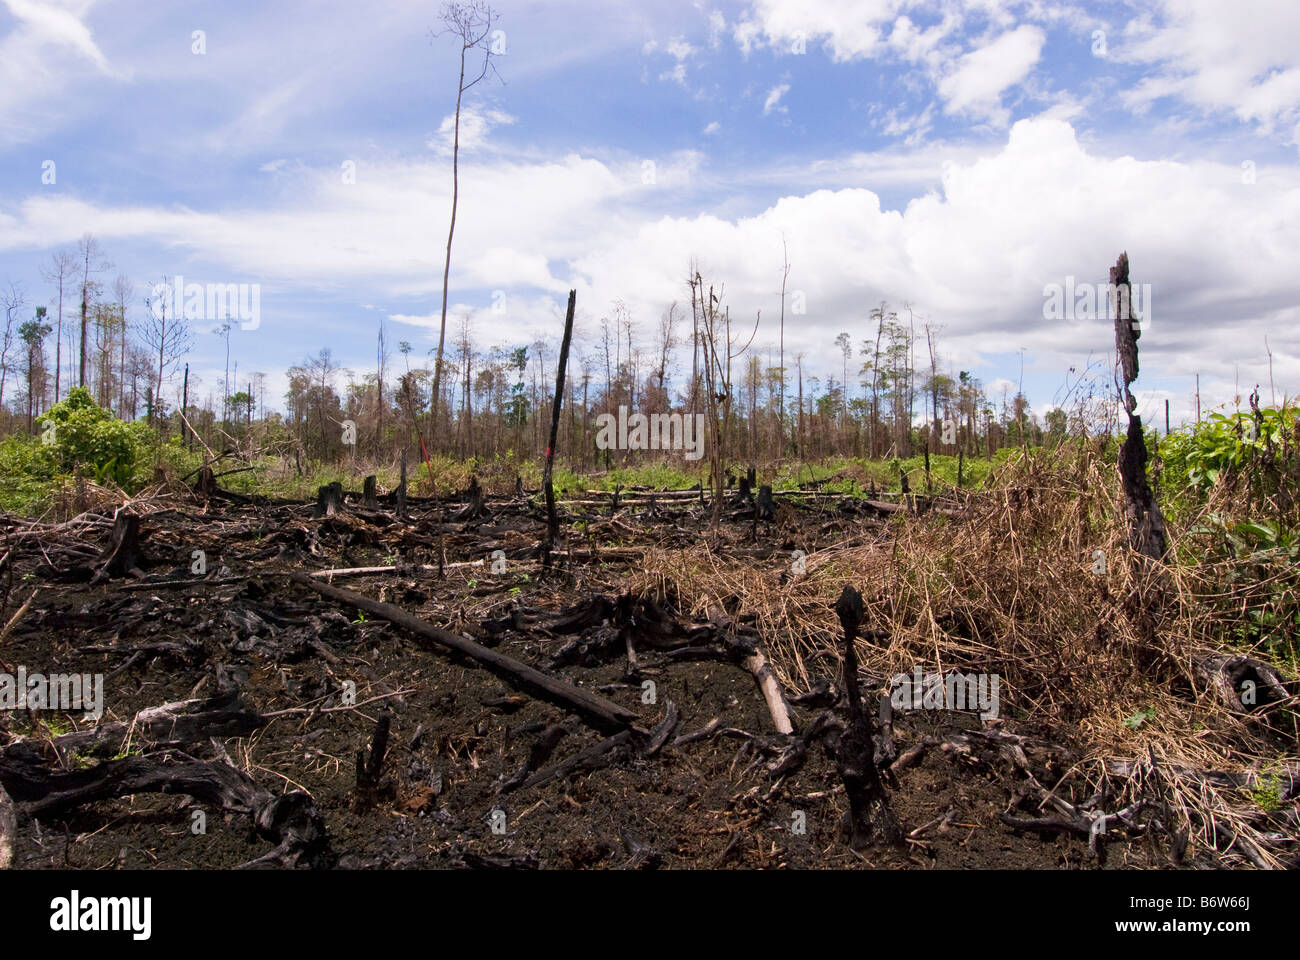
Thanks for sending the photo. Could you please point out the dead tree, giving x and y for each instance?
(552, 522)
(470, 24)
(1146, 525)
(870, 819)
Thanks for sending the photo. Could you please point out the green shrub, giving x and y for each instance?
(77, 434)
(1196, 456)
(26, 470)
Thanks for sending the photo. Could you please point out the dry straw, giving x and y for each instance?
(1037, 585)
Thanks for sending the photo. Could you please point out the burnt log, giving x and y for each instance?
(289, 820)
(598, 711)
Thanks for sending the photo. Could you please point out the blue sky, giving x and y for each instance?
(954, 157)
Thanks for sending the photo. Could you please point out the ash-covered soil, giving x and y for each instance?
(721, 789)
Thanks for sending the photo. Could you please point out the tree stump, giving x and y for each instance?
(329, 500)
(476, 508)
(368, 498)
(205, 484)
(122, 555)
(870, 819)
(8, 829)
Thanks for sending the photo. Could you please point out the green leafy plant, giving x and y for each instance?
(78, 434)
(1145, 715)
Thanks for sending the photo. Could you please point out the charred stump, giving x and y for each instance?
(329, 500)
(122, 554)
(205, 484)
(368, 498)
(870, 819)
(476, 507)
(1146, 524)
(370, 766)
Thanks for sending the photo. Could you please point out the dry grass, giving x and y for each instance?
(1011, 590)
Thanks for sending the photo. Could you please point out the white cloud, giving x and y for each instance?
(48, 47)
(58, 25)
(717, 27)
(774, 98)
(678, 48)
(1240, 57)
(980, 77)
(712, 128)
(850, 29)
(475, 124)
(974, 254)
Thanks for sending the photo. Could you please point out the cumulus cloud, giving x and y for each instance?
(1240, 57)
(977, 83)
(975, 253)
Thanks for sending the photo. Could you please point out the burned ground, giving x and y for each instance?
(285, 690)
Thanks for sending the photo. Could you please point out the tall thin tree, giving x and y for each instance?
(59, 272)
(471, 24)
(92, 261)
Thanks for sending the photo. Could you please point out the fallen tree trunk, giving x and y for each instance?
(290, 820)
(167, 725)
(757, 665)
(602, 713)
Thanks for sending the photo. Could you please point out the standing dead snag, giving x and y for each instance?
(370, 767)
(870, 819)
(1146, 525)
(552, 523)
